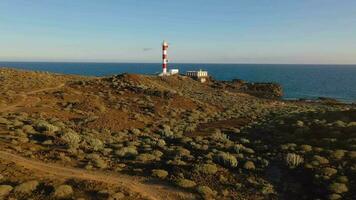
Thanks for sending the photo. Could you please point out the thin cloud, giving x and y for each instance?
(147, 49)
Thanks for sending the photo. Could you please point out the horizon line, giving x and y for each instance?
(131, 62)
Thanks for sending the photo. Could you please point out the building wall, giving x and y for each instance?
(197, 74)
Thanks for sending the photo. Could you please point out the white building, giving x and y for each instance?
(173, 71)
(200, 75)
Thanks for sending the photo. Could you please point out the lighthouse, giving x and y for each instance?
(164, 58)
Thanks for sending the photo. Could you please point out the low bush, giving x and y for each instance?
(249, 165)
(319, 160)
(166, 131)
(28, 129)
(207, 168)
(4, 121)
(43, 126)
(206, 192)
(100, 163)
(328, 171)
(337, 154)
(27, 187)
(226, 159)
(293, 160)
(185, 183)
(338, 188)
(306, 148)
(145, 157)
(5, 190)
(63, 191)
(127, 152)
(159, 173)
(94, 144)
(71, 139)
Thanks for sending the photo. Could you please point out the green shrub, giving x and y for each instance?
(159, 173)
(176, 161)
(288, 146)
(206, 192)
(136, 131)
(117, 196)
(299, 123)
(185, 183)
(161, 143)
(248, 150)
(337, 154)
(145, 157)
(71, 139)
(342, 179)
(226, 159)
(100, 163)
(4, 121)
(42, 126)
(244, 140)
(63, 191)
(351, 124)
(157, 153)
(94, 144)
(238, 148)
(166, 131)
(334, 197)
(218, 136)
(28, 129)
(339, 124)
(27, 187)
(338, 188)
(319, 160)
(328, 171)
(207, 168)
(293, 160)
(249, 165)
(306, 148)
(181, 152)
(127, 152)
(351, 155)
(5, 190)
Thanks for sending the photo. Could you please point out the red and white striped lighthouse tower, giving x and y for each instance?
(164, 57)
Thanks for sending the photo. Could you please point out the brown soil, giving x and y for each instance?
(134, 184)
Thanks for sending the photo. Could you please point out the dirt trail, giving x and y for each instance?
(26, 100)
(147, 190)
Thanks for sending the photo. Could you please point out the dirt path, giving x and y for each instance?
(147, 190)
(28, 100)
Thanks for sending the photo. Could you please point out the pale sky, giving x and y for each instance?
(200, 31)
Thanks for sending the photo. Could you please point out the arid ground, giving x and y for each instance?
(146, 137)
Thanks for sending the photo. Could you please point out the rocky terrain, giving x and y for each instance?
(146, 137)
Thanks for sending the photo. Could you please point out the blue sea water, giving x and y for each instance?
(298, 81)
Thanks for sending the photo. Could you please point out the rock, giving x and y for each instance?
(63, 191)
(265, 90)
(27, 187)
(5, 190)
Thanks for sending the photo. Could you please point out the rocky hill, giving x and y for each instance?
(134, 136)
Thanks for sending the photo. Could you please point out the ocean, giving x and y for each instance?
(298, 81)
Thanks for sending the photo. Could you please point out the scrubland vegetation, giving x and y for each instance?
(205, 140)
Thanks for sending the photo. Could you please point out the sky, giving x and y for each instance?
(198, 31)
